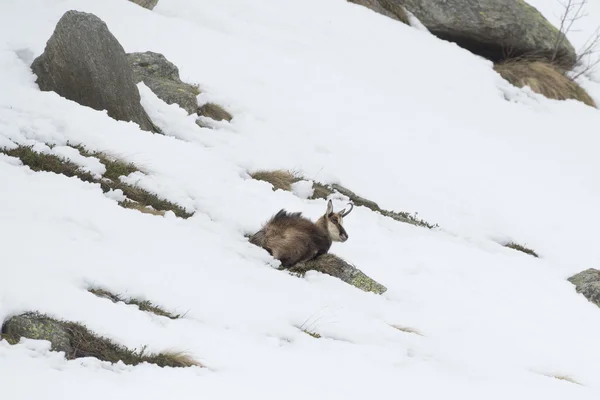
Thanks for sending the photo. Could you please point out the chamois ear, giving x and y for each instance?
(329, 208)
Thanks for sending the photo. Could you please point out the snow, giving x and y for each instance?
(387, 110)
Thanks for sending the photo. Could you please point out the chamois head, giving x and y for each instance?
(334, 222)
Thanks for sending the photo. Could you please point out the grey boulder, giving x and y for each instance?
(385, 7)
(494, 29)
(85, 63)
(588, 284)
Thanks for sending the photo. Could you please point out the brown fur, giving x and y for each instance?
(292, 238)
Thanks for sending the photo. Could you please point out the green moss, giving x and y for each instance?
(114, 170)
(518, 247)
(47, 162)
(313, 334)
(8, 338)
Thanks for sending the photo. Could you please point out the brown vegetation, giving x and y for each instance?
(543, 78)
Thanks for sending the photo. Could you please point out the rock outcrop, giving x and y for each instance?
(385, 7)
(149, 4)
(494, 29)
(332, 265)
(38, 327)
(588, 284)
(162, 77)
(85, 63)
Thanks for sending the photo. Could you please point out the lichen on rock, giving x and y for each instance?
(162, 77)
(588, 284)
(333, 265)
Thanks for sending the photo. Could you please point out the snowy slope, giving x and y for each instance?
(343, 95)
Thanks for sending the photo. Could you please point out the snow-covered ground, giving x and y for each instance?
(340, 94)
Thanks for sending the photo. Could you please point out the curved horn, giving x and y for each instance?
(344, 212)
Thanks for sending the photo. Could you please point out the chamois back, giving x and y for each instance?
(292, 238)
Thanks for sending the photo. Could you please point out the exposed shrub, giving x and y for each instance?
(214, 111)
(281, 179)
(407, 329)
(313, 334)
(138, 198)
(518, 247)
(143, 305)
(543, 78)
(83, 343)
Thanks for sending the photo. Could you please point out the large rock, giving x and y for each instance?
(331, 264)
(149, 4)
(162, 77)
(38, 327)
(494, 29)
(85, 63)
(385, 7)
(588, 284)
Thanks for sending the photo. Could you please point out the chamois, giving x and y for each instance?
(292, 238)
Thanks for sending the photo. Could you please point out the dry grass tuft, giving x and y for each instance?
(566, 378)
(84, 343)
(176, 359)
(313, 334)
(141, 208)
(544, 78)
(143, 305)
(407, 329)
(280, 179)
(215, 111)
(111, 180)
(518, 247)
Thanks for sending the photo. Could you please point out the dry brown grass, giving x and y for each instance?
(143, 305)
(543, 78)
(283, 179)
(521, 248)
(85, 343)
(280, 179)
(141, 208)
(562, 377)
(407, 329)
(214, 111)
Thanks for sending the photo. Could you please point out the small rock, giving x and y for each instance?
(588, 284)
(85, 63)
(162, 77)
(149, 4)
(34, 326)
(332, 265)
